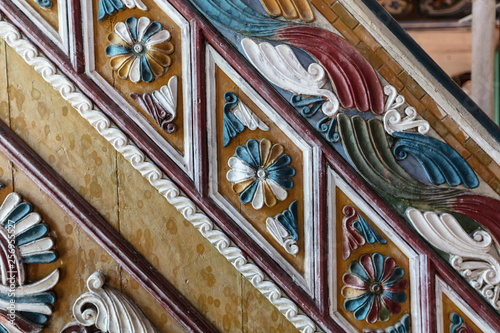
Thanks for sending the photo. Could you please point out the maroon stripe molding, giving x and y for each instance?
(103, 233)
(204, 33)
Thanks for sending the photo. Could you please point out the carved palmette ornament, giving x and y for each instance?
(108, 310)
(475, 257)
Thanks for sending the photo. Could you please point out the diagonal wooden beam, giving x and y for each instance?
(102, 232)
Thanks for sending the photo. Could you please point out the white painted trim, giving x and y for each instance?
(68, 90)
(334, 180)
(184, 162)
(306, 281)
(60, 38)
(443, 288)
(431, 86)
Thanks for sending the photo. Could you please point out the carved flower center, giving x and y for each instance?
(138, 48)
(261, 173)
(376, 288)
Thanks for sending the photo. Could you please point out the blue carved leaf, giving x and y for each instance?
(368, 232)
(289, 220)
(108, 7)
(237, 16)
(440, 161)
(231, 125)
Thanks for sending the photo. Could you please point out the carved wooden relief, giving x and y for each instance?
(345, 182)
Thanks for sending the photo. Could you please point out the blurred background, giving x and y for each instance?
(444, 29)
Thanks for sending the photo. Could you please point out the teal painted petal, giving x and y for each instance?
(44, 297)
(353, 304)
(108, 7)
(237, 16)
(33, 233)
(287, 184)
(245, 157)
(35, 317)
(18, 213)
(253, 149)
(114, 50)
(3, 329)
(44, 3)
(231, 127)
(247, 195)
(378, 266)
(396, 276)
(146, 72)
(42, 258)
(440, 161)
(357, 270)
(281, 162)
(289, 220)
(395, 297)
(153, 28)
(132, 27)
(368, 232)
(284, 172)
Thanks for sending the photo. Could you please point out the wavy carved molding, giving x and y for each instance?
(11, 35)
(475, 257)
(107, 310)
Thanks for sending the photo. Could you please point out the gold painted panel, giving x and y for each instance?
(125, 86)
(389, 249)
(258, 217)
(51, 15)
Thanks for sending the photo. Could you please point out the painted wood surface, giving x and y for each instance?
(105, 179)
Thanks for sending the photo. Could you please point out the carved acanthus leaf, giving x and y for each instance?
(475, 257)
(280, 66)
(109, 310)
(284, 228)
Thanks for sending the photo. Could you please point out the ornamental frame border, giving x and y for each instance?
(185, 162)
(443, 288)
(414, 258)
(309, 157)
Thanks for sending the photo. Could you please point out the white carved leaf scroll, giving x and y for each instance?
(475, 257)
(394, 122)
(167, 97)
(282, 236)
(109, 310)
(280, 66)
(248, 118)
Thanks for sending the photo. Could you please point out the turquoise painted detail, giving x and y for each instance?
(231, 125)
(368, 232)
(237, 16)
(374, 287)
(255, 166)
(47, 4)
(35, 317)
(327, 127)
(146, 72)
(35, 232)
(289, 220)
(308, 107)
(108, 7)
(441, 162)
